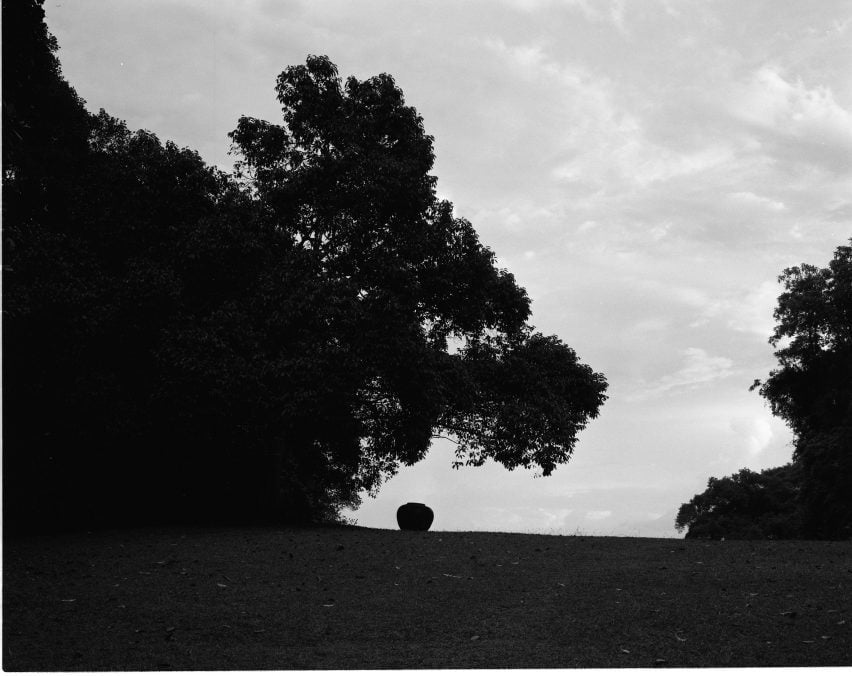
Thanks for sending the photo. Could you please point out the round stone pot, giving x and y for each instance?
(414, 516)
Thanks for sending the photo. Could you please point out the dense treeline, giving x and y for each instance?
(181, 343)
(812, 391)
(746, 506)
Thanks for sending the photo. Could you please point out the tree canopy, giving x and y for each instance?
(812, 388)
(184, 343)
(346, 176)
(745, 506)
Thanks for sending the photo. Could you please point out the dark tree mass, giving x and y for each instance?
(745, 506)
(181, 343)
(812, 391)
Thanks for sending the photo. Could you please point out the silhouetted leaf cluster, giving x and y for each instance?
(745, 506)
(812, 391)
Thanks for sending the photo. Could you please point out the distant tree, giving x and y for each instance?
(744, 506)
(812, 392)
(812, 388)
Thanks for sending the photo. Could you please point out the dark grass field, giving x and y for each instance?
(346, 598)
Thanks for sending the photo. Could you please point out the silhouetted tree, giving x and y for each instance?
(428, 336)
(744, 506)
(812, 392)
(812, 388)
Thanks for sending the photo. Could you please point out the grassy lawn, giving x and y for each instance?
(349, 597)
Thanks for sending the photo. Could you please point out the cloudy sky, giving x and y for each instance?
(646, 169)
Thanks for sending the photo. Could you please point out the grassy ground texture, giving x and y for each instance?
(348, 597)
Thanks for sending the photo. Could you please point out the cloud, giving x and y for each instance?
(597, 11)
(772, 102)
(748, 309)
(580, 110)
(650, 525)
(699, 369)
(755, 432)
(749, 199)
(552, 519)
(527, 5)
(594, 11)
(610, 151)
(798, 121)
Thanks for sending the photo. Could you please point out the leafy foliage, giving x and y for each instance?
(812, 391)
(45, 126)
(346, 176)
(745, 506)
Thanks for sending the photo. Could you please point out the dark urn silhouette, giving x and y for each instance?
(414, 516)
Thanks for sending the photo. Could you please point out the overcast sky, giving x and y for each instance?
(646, 169)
